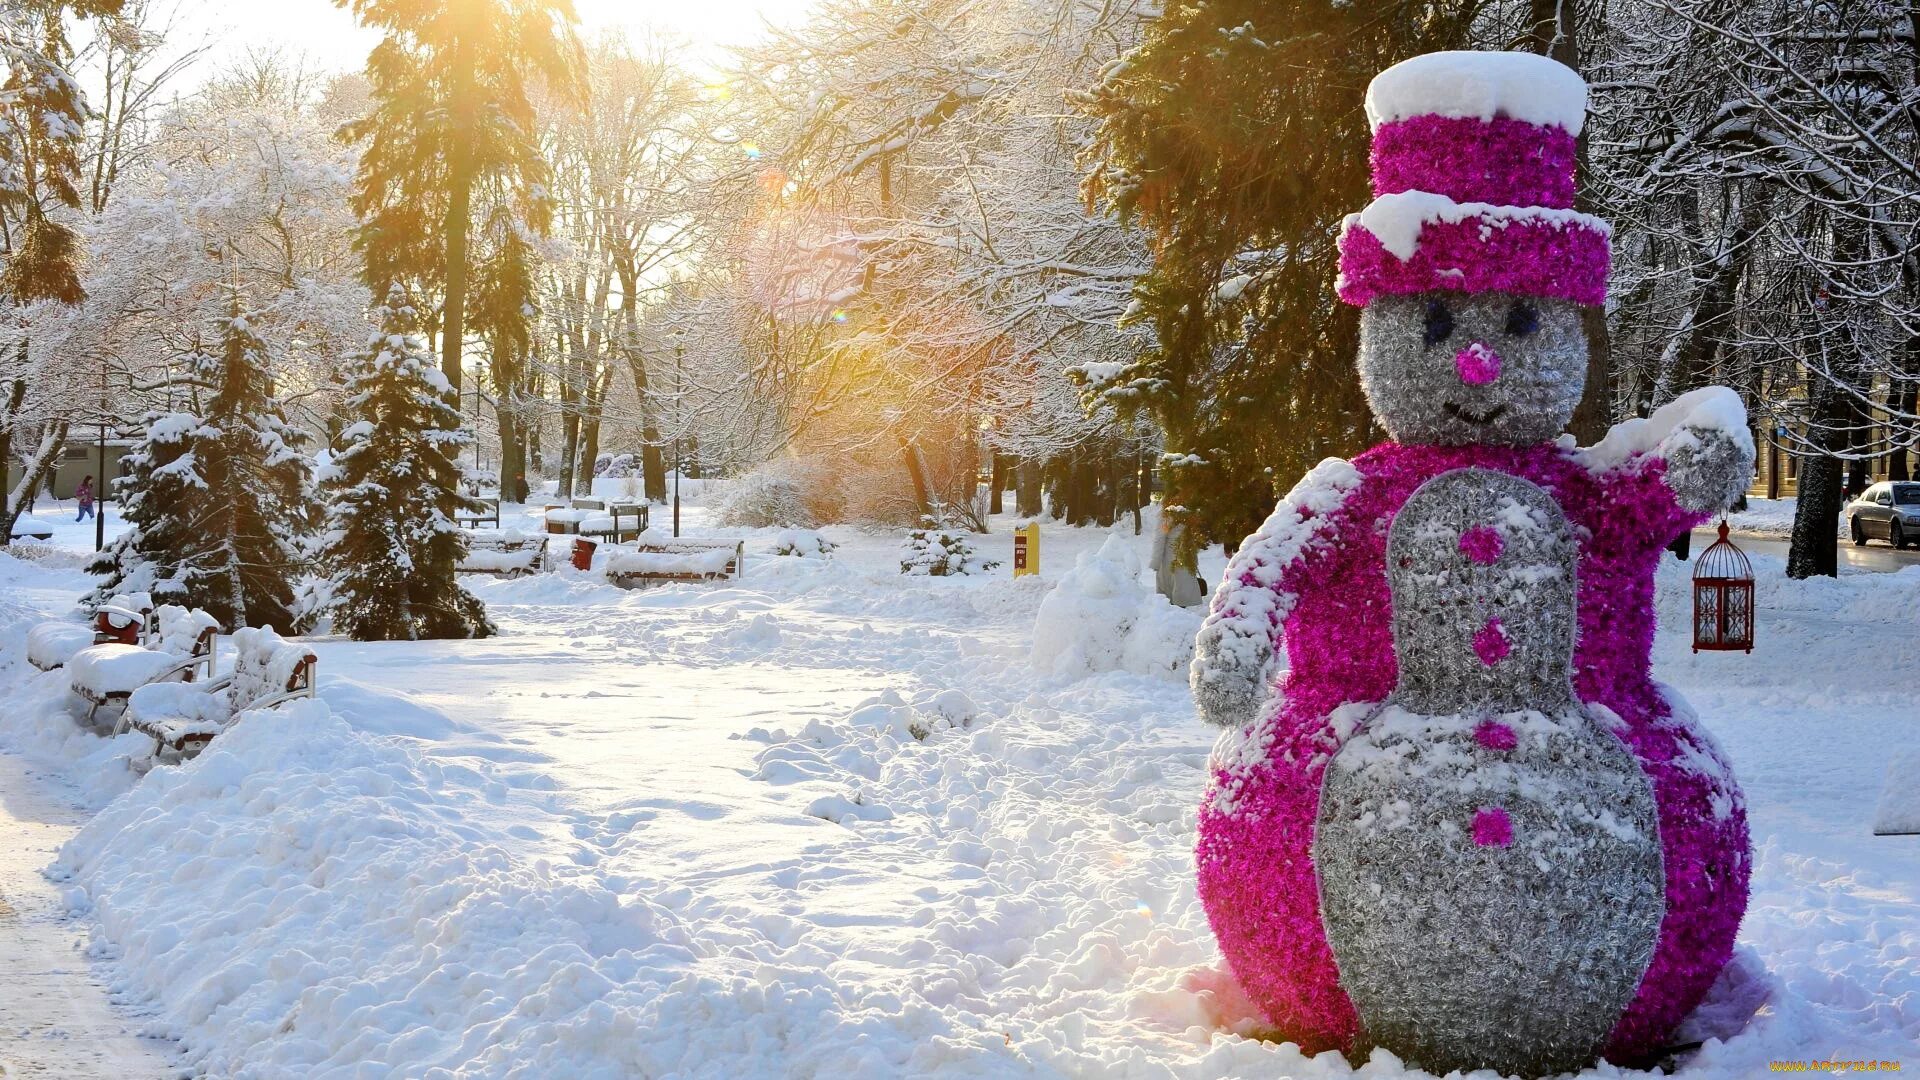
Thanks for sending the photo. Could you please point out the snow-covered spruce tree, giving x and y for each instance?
(223, 497)
(158, 477)
(391, 546)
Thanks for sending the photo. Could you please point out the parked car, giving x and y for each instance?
(1887, 511)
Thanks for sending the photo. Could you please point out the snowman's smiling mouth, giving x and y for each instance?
(1478, 419)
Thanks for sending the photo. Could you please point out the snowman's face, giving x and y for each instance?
(1450, 369)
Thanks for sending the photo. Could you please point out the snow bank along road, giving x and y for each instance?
(829, 821)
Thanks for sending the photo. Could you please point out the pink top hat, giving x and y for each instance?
(1473, 178)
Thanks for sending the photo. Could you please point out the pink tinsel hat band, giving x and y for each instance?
(1417, 241)
(1468, 159)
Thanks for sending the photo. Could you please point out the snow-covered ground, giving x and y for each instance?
(829, 820)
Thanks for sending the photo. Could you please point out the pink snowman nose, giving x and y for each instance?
(1477, 364)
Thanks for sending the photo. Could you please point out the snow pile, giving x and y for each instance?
(305, 899)
(803, 544)
(1482, 85)
(1899, 809)
(52, 644)
(1100, 617)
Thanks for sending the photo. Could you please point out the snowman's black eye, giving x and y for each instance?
(1439, 323)
(1522, 320)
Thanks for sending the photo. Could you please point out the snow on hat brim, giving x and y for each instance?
(1416, 241)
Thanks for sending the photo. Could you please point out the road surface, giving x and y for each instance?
(1877, 557)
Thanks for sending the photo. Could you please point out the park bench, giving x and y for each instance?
(659, 560)
(504, 554)
(27, 528)
(181, 642)
(486, 514)
(123, 619)
(182, 718)
(597, 519)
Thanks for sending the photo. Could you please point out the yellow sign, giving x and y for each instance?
(1026, 549)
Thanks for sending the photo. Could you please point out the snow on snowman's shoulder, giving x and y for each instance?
(1523, 86)
(1396, 219)
(1710, 408)
(1296, 519)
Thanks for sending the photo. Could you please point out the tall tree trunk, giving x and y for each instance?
(917, 473)
(513, 458)
(9, 411)
(590, 432)
(996, 499)
(53, 441)
(1026, 488)
(460, 101)
(653, 469)
(1815, 545)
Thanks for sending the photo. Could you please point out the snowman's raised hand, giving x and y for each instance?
(1707, 468)
(1702, 437)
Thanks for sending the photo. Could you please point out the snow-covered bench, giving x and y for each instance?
(504, 554)
(27, 528)
(182, 641)
(488, 513)
(658, 559)
(594, 518)
(123, 619)
(182, 718)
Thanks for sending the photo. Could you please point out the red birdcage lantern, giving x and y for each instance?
(1723, 597)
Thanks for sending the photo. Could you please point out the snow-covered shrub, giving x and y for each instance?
(803, 544)
(930, 551)
(780, 494)
(613, 466)
(929, 713)
(1100, 617)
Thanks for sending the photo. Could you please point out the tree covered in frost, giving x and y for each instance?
(1758, 163)
(1233, 135)
(391, 546)
(220, 499)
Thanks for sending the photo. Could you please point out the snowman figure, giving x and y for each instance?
(1467, 825)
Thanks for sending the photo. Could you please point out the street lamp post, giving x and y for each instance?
(100, 493)
(679, 466)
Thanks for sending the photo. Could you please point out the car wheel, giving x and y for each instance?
(1859, 534)
(1897, 535)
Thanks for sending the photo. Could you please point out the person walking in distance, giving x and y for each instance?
(84, 493)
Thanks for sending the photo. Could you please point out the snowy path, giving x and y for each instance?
(55, 1018)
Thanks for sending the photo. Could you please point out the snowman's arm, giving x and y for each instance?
(1702, 439)
(1233, 657)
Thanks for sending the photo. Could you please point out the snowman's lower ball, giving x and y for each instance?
(1262, 891)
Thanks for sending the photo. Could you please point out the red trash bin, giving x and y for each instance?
(583, 553)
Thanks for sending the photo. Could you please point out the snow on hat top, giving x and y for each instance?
(1473, 170)
(1521, 86)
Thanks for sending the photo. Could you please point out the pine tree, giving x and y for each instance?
(391, 547)
(219, 500)
(451, 110)
(1234, 134)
